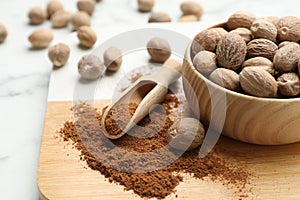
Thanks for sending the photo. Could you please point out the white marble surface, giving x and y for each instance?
(25, 74)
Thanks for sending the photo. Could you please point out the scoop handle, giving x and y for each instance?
(169, 73)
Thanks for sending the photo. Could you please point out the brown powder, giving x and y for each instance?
(115, 125)
(141, 160)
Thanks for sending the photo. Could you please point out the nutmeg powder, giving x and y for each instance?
(158, 169)
(114, 126)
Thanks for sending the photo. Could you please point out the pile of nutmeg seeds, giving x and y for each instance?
(250, 55)
(60, 18)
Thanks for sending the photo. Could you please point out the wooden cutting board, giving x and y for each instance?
(62, 175)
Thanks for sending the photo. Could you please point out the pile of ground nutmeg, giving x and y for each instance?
(141, 160)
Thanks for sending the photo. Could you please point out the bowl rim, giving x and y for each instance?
(233, 93)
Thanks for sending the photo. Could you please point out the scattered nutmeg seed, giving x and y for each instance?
(186, 134)
(240, 19)
(231, 51)
(41, 38)
(286, 58)
(145, 5)
(87, 37)
(90, 67)
(59, 54)
(226, 78)
(159, 49)
(3, 33)
(258, 82)
(261, 28)
(81, 19)
(188, 18)
(54, 6)
(112, 58)
(207, 40)
(87, 6)
(244, 33)
(61, 18)
(37, 15)
(205, 62)
(159, 17)
(192, 8)
(289, 84)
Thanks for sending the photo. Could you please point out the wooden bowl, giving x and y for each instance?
(246, 118)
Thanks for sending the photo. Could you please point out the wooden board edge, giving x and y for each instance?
(42, 195)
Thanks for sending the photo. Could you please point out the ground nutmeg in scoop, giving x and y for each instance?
(118, 117)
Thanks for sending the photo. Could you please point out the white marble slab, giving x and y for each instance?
(25, 74)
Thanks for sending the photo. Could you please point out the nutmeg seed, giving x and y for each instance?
(284, 43)
(3, 33)
(191, 8)
(289, 29)
(159, 17)
(87, 6)
(186, 134)
(287, 57)
(261, 47)
(240, 19)
(61, 18)
(59, 54)
(37, 15)
(145, 5)
(226, 78)
(289, 84)
(258, 82)
(207, 40)
(87, 37)
(244, 33)
(188, 18)
(54, 6)
(231, 51)
(261, 28)
(81, 19)
(273, 19)
(260, 62)
(159, 49)
(257, 61)
(112, 58)
(90, 67)
(41, 38)
(205, 62)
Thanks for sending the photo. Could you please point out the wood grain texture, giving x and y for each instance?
(62, 175)
(249, 119)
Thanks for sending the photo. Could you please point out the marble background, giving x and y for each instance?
(25, 73)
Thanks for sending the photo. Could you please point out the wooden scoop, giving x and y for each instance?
(147, 91)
